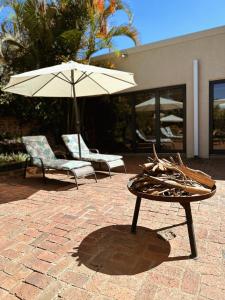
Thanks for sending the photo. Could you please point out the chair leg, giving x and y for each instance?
(75, 178)
(95, 177)
(43, 172)
(109, 169)
(25, 168)
(125, 170)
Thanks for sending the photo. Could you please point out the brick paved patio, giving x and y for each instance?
(60, 243)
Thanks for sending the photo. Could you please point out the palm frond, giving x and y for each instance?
(71, 38)
(118, 5)
(124, 30)
(10, 40)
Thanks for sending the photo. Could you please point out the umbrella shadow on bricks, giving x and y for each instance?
(17, 188)
(114, 250)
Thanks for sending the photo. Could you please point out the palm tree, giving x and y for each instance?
(42, 33)
(100, 34)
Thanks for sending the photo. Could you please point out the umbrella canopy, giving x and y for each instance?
(70, 80)
(221, 106)
(171, 119)
(165, 104)
(218, 101)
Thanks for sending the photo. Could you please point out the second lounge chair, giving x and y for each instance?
(91, 155)
(42, 156)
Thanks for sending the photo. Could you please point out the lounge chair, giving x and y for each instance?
(173, 135)
(142, 137)
(42, 156)
(169, 134)
(165, 132)
(91, 155)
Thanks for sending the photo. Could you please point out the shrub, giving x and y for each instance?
(12, 158)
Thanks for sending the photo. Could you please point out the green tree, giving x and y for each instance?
(100, 33)
(42, 33)
(39, 34)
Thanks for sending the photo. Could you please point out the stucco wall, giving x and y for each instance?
(170, 63)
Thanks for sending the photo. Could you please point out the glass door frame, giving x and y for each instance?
(157, 92)
(158, 123)
(211, 120)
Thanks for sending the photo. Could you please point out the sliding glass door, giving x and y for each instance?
(160, 115)
(133, 122)
(171, 119)
(145, 125)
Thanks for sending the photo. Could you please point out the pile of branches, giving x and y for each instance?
(171, 178)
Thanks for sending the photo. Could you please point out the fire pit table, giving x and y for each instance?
(185, 202)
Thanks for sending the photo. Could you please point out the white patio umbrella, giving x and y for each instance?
(165, 104)
(218, 101)
(221, 106)
(171, 119)
(70, 80)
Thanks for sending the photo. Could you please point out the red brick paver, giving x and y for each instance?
(57, 242)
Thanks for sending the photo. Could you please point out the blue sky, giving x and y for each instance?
(160, 19)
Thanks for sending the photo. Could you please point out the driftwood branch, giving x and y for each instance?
(167, 178)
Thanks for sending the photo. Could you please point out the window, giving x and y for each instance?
(217, 116)
(133, 122)
(160, 115)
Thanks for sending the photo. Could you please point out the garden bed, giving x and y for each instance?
(12, 161)
(11, 166)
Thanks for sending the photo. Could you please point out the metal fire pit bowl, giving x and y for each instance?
(184, 202)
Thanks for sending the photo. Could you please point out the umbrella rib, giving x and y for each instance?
(15, 84)
(55, 75)
(119, 79)
(61, 77)
(65, 77)
(84, 75)
(98, 84)
(78, 80)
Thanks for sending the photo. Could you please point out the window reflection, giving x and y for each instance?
(145, 106)
(218, 130)
(160, 119)
(172, 119)
(133, 122)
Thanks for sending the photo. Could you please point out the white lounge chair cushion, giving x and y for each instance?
(96, 157)
(71, 141)
(63, 164)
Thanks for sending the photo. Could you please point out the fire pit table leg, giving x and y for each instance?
(190, 226)
(136, 213)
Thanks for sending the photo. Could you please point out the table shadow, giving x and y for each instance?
(114, 250)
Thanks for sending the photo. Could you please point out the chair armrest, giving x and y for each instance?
(34, 157)
(94, 150)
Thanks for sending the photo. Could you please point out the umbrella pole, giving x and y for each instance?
(76, 111)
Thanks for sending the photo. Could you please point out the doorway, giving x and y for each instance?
(217, 116)
(160, 119)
